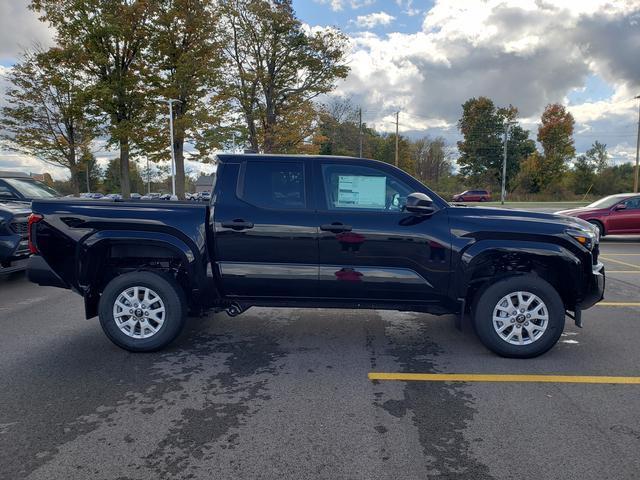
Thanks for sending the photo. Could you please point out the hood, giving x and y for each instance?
(561, 220)
(16, 208)
(578, 211)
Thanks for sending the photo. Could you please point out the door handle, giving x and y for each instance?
(237, 224)
(336, 227)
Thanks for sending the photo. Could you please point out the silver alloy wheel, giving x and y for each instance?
(520, 318)
(139, 312)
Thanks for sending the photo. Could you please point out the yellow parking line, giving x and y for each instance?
(618, 304)
(455, 377)
(620, 262)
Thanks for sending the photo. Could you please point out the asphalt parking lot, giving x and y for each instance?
(277, 394)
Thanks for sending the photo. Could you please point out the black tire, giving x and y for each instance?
(599, 225)
(170, 294)
(488, 300)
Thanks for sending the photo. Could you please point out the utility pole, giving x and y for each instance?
(87, 171)
(397, 139)
(360, 132)
(504, 163)
(171, 101)
(635, 177)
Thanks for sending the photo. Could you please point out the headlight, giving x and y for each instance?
(586, 238)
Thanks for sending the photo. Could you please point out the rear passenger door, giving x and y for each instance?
(265, 231)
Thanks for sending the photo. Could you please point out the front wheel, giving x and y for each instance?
(142, 311)
(519, 317)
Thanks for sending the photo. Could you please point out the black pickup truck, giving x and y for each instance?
(298, 231)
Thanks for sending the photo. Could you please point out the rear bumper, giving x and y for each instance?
(594, 291)
(39, 271)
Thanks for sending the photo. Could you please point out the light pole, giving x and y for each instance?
(171, 101)
(635, 177)
(504, 162)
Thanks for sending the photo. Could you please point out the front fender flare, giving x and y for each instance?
(484, 252)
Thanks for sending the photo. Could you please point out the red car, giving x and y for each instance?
(613, 215)
(472, 196)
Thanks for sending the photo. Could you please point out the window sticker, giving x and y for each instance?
(357, 191)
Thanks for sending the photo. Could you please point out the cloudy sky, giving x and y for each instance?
(425, 58)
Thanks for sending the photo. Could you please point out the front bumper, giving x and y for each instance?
(594, 288)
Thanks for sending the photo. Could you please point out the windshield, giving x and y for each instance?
(607, 202)
(32, 188)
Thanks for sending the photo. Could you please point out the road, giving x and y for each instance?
(284, 394)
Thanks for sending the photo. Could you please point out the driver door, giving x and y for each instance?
(369, 249)
(626, 220)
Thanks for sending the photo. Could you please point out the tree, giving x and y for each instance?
(46, 112)
(186, 57)
(430, 159)
(276, 68)
(481, 149)
(555, 134)
(583, 175)
(599, 155)
(112, 178)
(108, 38)
(89, 162)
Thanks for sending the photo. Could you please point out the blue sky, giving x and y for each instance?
(408, 16)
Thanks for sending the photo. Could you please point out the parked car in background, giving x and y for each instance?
(151, 196)
(613, 215)
(112, 196)
(136, 196)
(14, 248)
(203, 196)
(15, 186)
(472, 196)
(93, 195)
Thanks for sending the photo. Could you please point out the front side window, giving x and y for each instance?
(633, 203)
(362, 188)
(275, 185)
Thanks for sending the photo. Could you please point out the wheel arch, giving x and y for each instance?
(482, 265)
(108, 253)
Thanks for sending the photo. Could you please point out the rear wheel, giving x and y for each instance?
(142, 311)
(519, 317)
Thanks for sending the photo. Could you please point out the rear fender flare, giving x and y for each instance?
(92, 245)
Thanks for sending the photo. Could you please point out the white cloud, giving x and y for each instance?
(374, 19)
(20, 29)
(337, 5)
(528, 53)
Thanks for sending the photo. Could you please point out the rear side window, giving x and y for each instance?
(275, 185)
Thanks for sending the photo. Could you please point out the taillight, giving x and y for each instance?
(33, 219)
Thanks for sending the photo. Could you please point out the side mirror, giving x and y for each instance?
(420, 204)
(620, 206)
